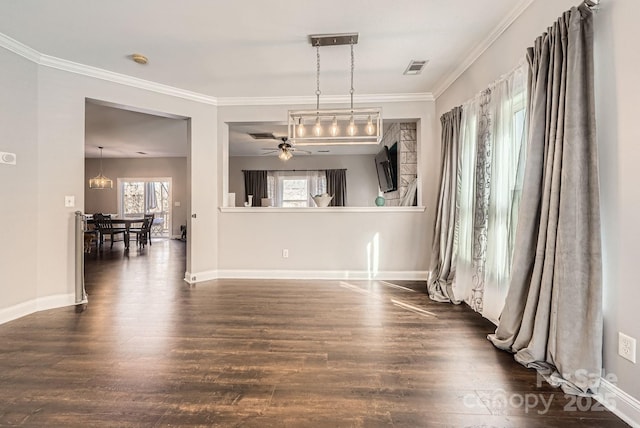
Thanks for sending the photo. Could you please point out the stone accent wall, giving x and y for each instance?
(408, 156)
(405, 135)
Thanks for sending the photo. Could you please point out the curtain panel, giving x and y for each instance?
(442, 266)
(255, 183)
(552, 319)
(491, 159)
(337, 186)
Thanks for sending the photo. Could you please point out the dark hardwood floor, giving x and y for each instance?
(150, 350)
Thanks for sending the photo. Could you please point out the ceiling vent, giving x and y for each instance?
(262, 136)
(415, 67)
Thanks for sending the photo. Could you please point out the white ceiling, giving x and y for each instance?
(253, 48)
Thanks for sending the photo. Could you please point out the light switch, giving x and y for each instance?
(69, 201)
(176, 203)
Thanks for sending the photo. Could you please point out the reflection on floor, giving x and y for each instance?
(151, 350)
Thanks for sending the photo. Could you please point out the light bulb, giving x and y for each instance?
(352, 129)
(370, 129)
(285, 155)
(301, 129)
(317, 128)
(334, 130)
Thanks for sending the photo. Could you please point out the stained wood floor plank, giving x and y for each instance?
(151, 350)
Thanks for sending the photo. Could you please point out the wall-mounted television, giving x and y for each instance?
(387, 168)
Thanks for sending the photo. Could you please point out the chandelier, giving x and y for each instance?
(335, 126)
(100, 181)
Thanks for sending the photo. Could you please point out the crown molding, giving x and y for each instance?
(123, 79)
(19, 48)
(444, 84)
(99, 73)
(325, 99)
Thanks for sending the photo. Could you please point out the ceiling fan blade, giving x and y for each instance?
(270, 153)
(301, 151)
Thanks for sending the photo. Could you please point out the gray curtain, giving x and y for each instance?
(442, 266)
(255, 183)
(552, 317)
(337, 186)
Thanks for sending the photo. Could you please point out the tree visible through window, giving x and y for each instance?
(295, 188)
(137, 197)
(295, 193)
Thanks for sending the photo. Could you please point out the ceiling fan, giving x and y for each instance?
(285, 149)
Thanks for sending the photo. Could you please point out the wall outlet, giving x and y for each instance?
(627, 347)
(285, 253)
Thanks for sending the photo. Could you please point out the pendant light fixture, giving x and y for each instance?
(335, 126)
(100, 181)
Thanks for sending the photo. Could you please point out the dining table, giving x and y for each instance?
(124, 221)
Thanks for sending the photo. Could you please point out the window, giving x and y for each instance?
(295, 188)
(294, 192)
(139, 196)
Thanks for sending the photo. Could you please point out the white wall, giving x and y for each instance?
(325, 240)
(61, 133)
(362, 181)
(18, 184)
(617, 91)
(333, 244)
(106, 200)
(42, 110)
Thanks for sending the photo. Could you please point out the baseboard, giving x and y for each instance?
(619, 403)
(195, 277)
(192, 277)
(35, 305)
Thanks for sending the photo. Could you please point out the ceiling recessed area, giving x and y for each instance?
(130, 134)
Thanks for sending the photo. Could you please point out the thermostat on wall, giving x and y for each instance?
(8, 158)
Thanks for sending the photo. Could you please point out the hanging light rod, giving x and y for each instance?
(333, 39)
(353, 125)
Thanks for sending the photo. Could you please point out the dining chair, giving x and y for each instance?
(143, 233)
(151, 218)
(105, 227)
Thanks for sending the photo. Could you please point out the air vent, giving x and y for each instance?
(324, 151)
(263, 136)
(415, 67)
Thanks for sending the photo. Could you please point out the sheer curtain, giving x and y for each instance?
(316, 184)
(491, 147)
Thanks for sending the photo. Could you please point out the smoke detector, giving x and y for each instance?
(139, 58)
